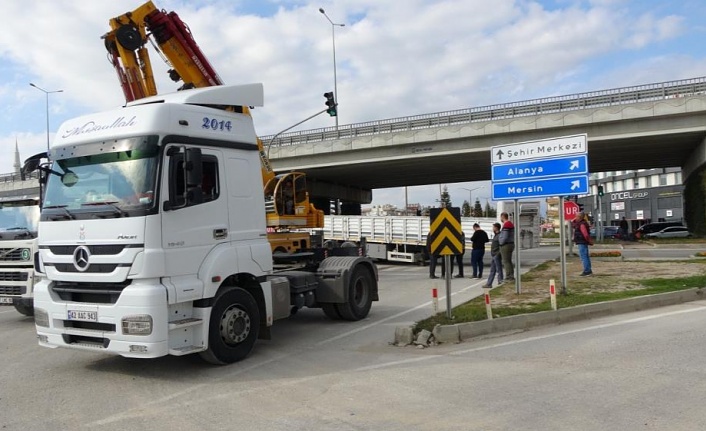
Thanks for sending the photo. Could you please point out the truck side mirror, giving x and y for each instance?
(193, 167)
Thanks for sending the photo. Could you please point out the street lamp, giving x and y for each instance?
(46, 93)
(470, 196)
(333, 39)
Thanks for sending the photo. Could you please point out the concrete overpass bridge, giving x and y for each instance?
(648, 126)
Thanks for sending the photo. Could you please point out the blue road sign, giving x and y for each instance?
(573, 165)
(535, 188)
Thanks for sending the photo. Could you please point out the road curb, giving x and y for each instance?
(464, 331)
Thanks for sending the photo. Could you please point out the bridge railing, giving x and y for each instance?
(9, 178)
(547, 105)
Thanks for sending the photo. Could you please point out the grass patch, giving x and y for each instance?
(583, 292)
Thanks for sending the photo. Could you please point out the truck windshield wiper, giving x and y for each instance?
(63, 207)
(111, 204)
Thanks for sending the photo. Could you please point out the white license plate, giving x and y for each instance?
(5, 300)
(86, 316)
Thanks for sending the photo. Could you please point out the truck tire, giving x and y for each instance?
(360, 295)
(233, 327)
(331, 311)
(25, 310)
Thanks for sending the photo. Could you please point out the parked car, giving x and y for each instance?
(609, 232)
(645, 229)
(670, 232)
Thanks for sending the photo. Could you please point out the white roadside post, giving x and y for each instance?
(552, 293)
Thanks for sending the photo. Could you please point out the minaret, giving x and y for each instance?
(17, 164)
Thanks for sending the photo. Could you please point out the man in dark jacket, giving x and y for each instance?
(478, 241)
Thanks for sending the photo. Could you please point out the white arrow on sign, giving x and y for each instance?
(574, 165)
(575, 184)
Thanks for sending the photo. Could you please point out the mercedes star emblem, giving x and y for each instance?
(81, 255)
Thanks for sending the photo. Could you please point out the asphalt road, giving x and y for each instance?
(638, 371)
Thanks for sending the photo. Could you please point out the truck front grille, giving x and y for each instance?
(13, 290)
(13, 276)
(95, 268)
(95, 342)
(11, 255)
(94, 293)
(110, 249)
(93, 326)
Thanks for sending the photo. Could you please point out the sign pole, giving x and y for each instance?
(447, 277)
(518, 283)
(562, 245)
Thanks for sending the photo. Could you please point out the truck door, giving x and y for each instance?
(194, 220)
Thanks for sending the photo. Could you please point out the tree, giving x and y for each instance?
(477, 209)
(445, 198)
(490, 211)
(466, 209)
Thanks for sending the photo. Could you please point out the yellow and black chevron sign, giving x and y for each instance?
(445, 231)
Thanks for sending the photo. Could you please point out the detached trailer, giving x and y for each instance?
(403, 239)
(393, 238)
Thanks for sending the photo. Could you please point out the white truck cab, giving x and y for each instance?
(153, 235)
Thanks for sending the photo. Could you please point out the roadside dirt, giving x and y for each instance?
(609, 274)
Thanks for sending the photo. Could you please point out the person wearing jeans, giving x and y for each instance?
(582, 239)
(496, 263)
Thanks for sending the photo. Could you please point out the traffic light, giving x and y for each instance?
(600, 191)
(331, 103)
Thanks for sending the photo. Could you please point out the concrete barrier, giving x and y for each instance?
(573, 314)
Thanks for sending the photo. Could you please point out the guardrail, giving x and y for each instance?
(9, 178)
(572, 102)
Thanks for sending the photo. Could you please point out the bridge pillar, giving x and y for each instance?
(350, 208)
(695, 201)
(694, 174)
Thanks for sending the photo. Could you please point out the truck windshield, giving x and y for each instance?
(19, 219)
(103, 179)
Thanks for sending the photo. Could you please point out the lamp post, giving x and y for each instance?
(46, 93)
(333, 40)
(470, 196)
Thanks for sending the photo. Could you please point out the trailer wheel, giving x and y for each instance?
(360, 295)
(233, 327)
(25, 310)
(331, 311)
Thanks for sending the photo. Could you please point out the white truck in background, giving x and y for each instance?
(403, 239)
(19, 217)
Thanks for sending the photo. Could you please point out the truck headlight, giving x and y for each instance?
(41, 317)
(140, 324)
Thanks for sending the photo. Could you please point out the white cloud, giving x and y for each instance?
(394, 58)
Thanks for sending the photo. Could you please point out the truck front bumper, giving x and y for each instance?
(100, 327)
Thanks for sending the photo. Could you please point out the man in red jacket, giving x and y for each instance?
(582, 239)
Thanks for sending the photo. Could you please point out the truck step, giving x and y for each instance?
(184, 323)
(181, 351)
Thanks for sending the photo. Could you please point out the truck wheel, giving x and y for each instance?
(233, 327)
(26, 310)
(360, 295)
(331, 311)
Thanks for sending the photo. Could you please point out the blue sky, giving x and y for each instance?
(394, 58)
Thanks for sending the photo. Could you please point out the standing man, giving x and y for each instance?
(507, 246)
(582, 239)
(478, 241)
(623, 229)
(496, 262)
(459, 257)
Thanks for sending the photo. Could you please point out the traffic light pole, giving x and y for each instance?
(291, 127)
